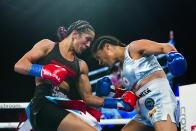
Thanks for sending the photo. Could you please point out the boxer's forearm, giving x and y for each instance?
(94, 101)
(167, 48)
(22, 67)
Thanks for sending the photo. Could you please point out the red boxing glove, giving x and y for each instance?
(119, 92)
(128, 101)
(55, 73)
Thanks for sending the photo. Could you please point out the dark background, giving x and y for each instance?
(25, 22)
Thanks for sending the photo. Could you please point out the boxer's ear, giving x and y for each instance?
(75, 34)
(107, 46)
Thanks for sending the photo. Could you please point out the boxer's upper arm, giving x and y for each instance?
(85, 87)
(148, 47)
(38, 51)
(84, 83)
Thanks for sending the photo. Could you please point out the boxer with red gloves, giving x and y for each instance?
(142, 74)
(61, 76)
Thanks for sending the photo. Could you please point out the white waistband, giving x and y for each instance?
(145, 86)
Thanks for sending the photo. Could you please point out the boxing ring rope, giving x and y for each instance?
(98, 71)
(102, 122)
(23, 105)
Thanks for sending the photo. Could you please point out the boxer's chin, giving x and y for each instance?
(79, 52)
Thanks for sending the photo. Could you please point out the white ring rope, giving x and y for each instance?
(8, 125)
(98, 71)
(102, 122)
(13, 105)
(24, 105)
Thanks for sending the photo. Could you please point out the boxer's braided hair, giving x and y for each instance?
(99, 43)
(80, 26)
